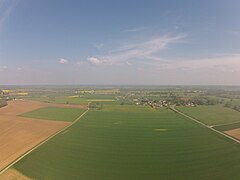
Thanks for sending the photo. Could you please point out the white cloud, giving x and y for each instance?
(3, 68)
(96, 61)
(141, 50)
(135, 29)
(62, 61)
(99, 46)
(224, 63)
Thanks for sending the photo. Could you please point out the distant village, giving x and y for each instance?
(5, 95)
(3, 98)
(161, 103)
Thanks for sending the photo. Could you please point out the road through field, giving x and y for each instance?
(134, 143)
(209, 127)
(62, 129)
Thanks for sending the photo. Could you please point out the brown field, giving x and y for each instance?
(18, 135)
(13, 174)
(22, 106)
(234, 133)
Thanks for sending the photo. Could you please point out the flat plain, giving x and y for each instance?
(18, 134)
(212, 115)
(55, 113)
(117, 143)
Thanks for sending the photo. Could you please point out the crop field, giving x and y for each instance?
(228, 126)
(127, 108)
(212, 115)
(117, 143)
(59, 99)
(234, 133)
(227, 100)
(55, 113)
(18, 134)
(73, 99)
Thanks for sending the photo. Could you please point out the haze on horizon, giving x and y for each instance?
(155, 42)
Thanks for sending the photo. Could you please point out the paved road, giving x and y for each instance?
(209, 127)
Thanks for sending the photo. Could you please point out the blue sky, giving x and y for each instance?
(157, 42)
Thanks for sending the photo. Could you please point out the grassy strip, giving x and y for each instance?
(55, 113)
(227, 127)
(212, 115)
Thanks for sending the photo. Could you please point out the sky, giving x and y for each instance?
(127, 42)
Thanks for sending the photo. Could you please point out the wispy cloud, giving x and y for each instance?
(62, 61)
(96, 61)
(135, 29)
(223, 63)
(142, 50)
(6, 7)
(3, 68)
(99, 46)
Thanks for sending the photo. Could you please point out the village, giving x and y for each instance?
(162, 103)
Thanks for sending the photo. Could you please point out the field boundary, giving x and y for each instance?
(226, 124)
(201, 123)
(43, 142)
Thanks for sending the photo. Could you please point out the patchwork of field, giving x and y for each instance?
(220, 118)
(55, 113)
(18, 134)
(234, 133)
(12, 174)
(75, 100)
(117, 143)
(212, 115)
(25, 124)
(228, 126)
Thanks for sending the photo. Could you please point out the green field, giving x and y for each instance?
(212, 115)
(232, 101)
(55, 113)
(59, 100)
(228, 127)
(74, 99)
(127, 108)
(117, 143)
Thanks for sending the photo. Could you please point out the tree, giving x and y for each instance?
(3, 103)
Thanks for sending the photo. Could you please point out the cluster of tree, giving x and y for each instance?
(230, 105)
(96, 105)
(3, 103)
(205, 101)
(196, 101)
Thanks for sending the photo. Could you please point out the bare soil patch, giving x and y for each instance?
(18, 135)
(234, 133)
(18, 107)
(13, 174)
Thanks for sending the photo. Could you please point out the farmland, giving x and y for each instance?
(212, 115)
(220, 118)
(18, 135)
(115, 143)
(125, 134)
(55, 113)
